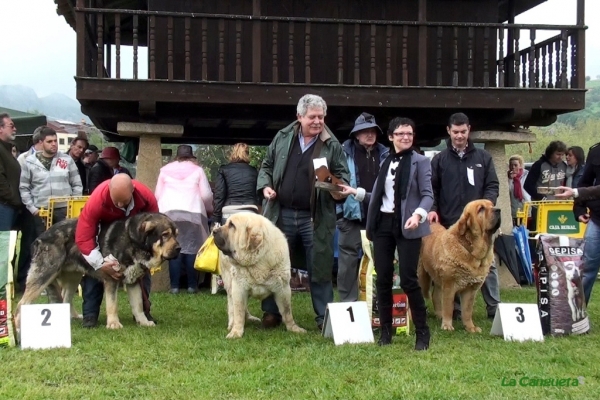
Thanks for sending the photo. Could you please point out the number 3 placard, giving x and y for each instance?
(44, 326)
(348, 323)
(518, 322)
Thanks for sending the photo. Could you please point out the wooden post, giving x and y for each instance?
(580, 61)
(510, 47)
(80, 28)
(256, 42)
(422, 43)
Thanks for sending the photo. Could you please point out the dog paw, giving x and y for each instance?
(77, 316)
(114, 325)
(473, 329)
(235, 334)
(252, 318)
(447, 326)
(147, 323)
(296, 329)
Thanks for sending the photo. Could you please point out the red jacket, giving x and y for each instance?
(100, 209)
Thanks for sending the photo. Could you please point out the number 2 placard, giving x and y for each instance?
(348, 323)
(45, 326)
(518, 322)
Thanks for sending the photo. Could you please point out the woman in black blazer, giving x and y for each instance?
(397, 219)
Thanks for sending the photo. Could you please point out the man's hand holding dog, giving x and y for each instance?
(108, 269)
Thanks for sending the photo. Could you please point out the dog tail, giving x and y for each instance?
(424, 280)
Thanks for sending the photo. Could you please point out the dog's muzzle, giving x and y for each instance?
(174, 254)
(497, 218)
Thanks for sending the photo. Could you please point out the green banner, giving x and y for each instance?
(562, 222)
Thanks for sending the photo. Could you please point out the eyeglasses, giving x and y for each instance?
(405, 134)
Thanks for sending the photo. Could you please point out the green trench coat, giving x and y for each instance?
(323, 206)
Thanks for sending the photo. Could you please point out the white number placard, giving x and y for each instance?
(45, 326)
(518, 322)
(348, 323)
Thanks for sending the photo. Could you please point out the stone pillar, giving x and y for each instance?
(498, 152)
(149, 162)
(495, 144)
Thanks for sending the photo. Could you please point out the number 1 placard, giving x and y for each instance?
(518, 322)
(45, 326)
(348, 323)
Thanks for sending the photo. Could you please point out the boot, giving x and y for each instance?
(384, 306)
(418, 312)
(386, 335)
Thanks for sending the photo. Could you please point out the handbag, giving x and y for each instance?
(207, 259)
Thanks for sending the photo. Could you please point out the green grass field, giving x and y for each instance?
(187, 357)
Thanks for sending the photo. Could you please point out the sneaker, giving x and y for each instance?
(90, 322)
(174, 291)
(191, 290)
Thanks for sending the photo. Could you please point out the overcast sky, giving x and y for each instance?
(38, 46)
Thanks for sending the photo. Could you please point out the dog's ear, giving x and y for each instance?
(147, 226)
(464, 223)
(254, 236)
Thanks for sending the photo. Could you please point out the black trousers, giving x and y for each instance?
(387, 239)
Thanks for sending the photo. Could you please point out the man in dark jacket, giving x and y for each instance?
(591, 251)
(460, 174)
(78, 147)
(364, 155)
(105, 168)
(10, 174)
(287, 182)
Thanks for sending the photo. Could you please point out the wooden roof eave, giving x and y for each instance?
(66, 8)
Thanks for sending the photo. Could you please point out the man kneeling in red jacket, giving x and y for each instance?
(114, 199)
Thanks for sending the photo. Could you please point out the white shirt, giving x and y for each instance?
(387, 204)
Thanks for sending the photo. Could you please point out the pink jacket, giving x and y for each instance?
(182, 185)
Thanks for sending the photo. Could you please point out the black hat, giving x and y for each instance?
(185, 151)
(91, 149)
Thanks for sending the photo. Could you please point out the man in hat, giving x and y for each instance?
(364, 154)
(106, 167)
(90, 158)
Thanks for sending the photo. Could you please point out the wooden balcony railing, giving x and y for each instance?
(244, 49)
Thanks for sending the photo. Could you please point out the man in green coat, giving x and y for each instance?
(286, 181)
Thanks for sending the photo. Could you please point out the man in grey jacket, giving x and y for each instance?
(46, 174)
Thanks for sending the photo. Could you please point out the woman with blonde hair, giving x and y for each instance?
(516, 181)
(235, 185)
(184, 195)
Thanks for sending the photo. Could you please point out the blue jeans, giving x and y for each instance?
(175, 266)
(591, 258)
(298, 225)
(93, 292)
(8, 216)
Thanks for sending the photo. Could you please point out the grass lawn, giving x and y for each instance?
(187, 357)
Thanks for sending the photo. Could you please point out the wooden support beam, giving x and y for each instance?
(422, 43)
